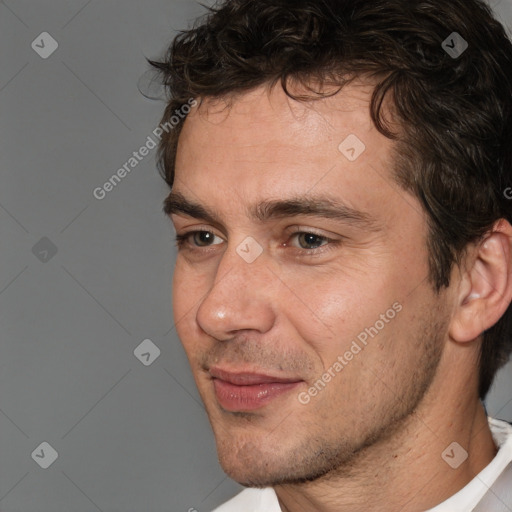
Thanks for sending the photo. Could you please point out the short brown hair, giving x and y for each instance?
(454, 151)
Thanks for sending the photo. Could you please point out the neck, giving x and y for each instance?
(406, 473)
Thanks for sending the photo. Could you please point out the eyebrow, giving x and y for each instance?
(319, 206)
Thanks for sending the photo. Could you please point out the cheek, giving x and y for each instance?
(180, 297)
(330, 314)
(187, 289)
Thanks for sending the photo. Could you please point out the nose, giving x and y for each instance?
(241, 298)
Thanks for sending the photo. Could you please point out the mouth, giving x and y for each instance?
(248, 391)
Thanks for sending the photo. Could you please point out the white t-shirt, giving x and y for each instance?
(489, 491)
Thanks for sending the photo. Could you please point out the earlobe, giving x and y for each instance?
(485, 288)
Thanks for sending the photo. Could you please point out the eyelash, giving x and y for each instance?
(181, 241)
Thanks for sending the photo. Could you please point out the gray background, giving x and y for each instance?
(129, 436)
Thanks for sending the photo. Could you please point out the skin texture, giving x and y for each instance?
(372, 438)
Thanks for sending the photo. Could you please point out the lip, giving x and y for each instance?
(248, 391)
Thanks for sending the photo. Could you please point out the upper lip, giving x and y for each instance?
(249, 378)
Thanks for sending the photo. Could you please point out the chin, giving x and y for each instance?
(256, 470)
(262, 460)
(249, 460)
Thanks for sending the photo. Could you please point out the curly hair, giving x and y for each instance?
(454, 149)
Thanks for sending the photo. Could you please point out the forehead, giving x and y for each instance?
(269, 117)
(263, 144)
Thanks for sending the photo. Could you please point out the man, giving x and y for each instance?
(339, 172)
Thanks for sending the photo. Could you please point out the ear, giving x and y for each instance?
(485, 289)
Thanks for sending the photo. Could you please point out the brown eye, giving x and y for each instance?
(310, 240)
(199, 238)
(202, 238)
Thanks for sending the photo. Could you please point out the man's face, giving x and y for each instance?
(320, 334)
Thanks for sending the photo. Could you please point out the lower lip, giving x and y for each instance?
(248, 398)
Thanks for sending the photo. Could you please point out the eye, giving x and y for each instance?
(309, 244)
(201, 238)
(308, 240)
